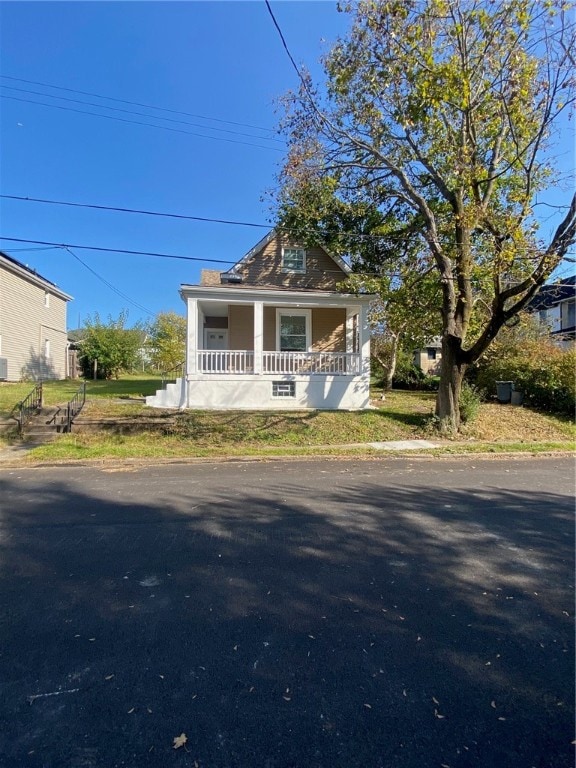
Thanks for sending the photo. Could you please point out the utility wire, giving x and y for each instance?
(136, 210)
(137, 103)
(109, 285)
(211, 220)
(141, 114)
(139, 122)
(116, 250)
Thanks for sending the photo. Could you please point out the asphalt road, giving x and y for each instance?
(386, 613)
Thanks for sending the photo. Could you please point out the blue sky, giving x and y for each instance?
(217, 60)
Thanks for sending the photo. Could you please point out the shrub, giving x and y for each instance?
(469, 402)
(543, 371)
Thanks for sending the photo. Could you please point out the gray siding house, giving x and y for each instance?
(33, 337)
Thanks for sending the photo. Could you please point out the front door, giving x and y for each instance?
(216, 339)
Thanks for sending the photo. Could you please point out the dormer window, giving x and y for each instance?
(293, 260)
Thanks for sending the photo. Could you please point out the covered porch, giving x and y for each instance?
(265, 348)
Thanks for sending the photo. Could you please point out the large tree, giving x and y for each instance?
(167, 340)
(447, 109)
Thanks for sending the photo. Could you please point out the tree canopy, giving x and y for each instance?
(440, 115)
(110, 348)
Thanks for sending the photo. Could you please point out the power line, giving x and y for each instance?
(135, 210)
(139, 122)
(136, 103)
(141, 114)
(116, 250)
(211, 220)
(109, 285)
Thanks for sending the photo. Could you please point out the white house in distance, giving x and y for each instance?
(33, 338)
(274, 333)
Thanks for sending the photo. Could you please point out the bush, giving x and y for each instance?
(543, 371)
(469, 402)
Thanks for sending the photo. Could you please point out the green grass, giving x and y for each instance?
(59, 392)
(119, 425)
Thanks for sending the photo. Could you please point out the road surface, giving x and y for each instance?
(389, 613)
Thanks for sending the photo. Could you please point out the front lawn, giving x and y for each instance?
(116, 423)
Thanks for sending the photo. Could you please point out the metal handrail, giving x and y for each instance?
(75, 405)
(179, 367)
(31, 404)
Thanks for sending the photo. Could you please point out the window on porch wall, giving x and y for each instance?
(294, 333)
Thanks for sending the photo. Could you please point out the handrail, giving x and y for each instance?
(178, 367)
(32, 403)
(75, 405)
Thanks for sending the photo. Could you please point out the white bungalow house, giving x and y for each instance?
(274, 333)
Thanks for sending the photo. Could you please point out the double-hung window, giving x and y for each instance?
(293, 330)
(293, 260)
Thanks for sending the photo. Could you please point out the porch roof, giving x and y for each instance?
(245, 294)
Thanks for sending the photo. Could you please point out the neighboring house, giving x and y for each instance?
(428, 359)
(556, 308)
(33, 339)
(274, 333)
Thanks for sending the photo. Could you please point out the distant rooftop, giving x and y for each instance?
(20, 267)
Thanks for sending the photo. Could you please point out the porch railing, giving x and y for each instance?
(305, 363)
(225, 361)
(333, 363)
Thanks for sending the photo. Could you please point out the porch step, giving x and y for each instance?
(172, 396)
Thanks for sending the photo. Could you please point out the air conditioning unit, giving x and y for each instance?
(3, 368)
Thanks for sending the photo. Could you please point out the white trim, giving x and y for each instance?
(307, 313)
(286, 270)
(273, 296)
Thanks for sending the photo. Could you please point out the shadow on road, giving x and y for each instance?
(367, 626)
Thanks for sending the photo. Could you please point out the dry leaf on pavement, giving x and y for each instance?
(179, 741)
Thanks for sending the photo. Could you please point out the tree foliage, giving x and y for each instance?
(167, 340)
(113, 346)
(441, 115)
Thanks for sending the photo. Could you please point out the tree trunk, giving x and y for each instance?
(451, 374)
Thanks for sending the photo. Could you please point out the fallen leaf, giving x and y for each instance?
(179, 741)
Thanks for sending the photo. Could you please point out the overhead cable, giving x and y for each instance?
(139, 122)
(117, 250)
(109, 285)
(136, 103)
(141, 114)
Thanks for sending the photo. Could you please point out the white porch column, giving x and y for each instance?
(351, 312)
(364, 340)
(192, 337)
(258, 335)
